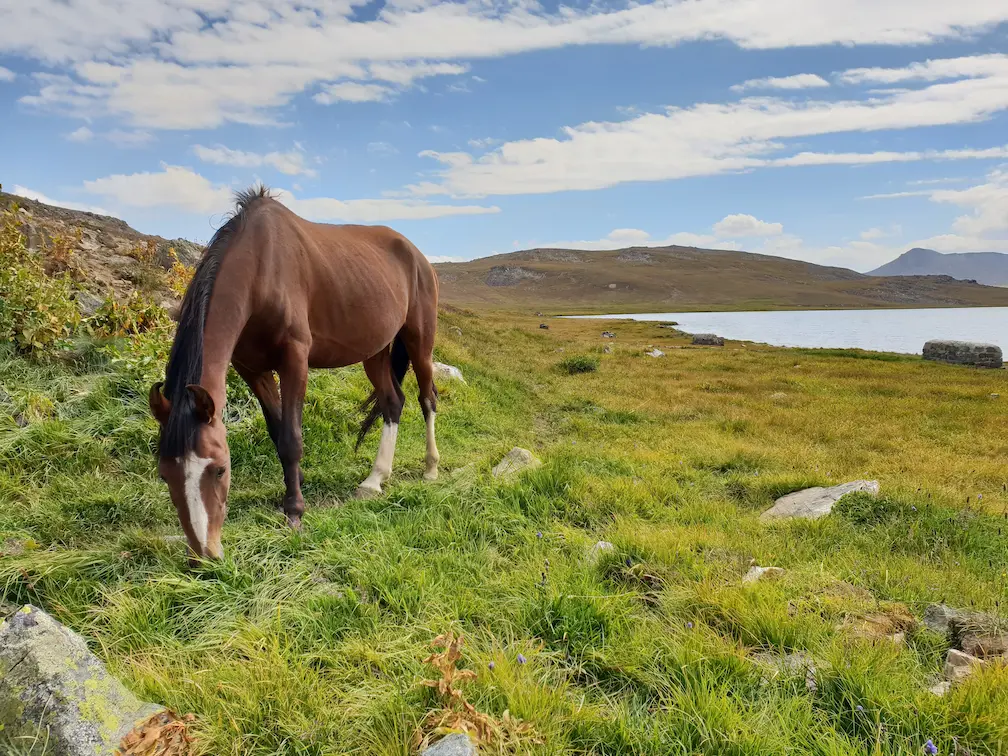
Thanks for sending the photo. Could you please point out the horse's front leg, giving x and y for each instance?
(293, 383)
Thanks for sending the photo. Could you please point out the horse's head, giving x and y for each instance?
(198, 473)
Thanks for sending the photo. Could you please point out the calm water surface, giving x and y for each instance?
(878, 330)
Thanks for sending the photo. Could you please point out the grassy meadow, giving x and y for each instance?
(315, 642)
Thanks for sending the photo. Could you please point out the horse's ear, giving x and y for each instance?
(159, 406)
(204, 403)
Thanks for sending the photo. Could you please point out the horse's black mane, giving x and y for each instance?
(185, 362)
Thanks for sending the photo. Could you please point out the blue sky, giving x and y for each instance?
(840, 133)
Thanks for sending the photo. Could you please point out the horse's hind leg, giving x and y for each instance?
(390, 401)
(420, 346)
(293, 383)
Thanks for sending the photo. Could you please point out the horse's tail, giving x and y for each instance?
(399, 366)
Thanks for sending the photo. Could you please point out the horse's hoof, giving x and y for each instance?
(430, 476)
(366, 492)
(294, 522)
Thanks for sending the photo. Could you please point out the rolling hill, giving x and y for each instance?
(687, 278)
(556, 280)
(990, 268)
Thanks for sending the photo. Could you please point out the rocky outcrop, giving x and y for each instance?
(963, 353)
(511, 275)
(50, 681)
(812, 503)
(757, 573)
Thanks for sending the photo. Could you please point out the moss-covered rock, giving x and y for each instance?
(50, 683)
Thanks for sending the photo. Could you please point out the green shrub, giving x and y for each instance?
(37, 312)
(136, 315)
(582, 364)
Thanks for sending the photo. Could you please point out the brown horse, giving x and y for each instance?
(275, 292)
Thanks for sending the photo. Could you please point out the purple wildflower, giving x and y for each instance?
(491, 665)
(539, 534)
(521, 660)
(859, 707)
(689, 625)
(930, 748)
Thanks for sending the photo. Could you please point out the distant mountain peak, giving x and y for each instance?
(989, 268)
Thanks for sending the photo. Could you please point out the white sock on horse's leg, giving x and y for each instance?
(382, 469)
(432, 453)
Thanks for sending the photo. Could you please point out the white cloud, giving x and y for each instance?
(182, 188)
(352, 91)
(867, 158)
(872, 234)
(83, 134)
(291, 163)
(6, 74)
(405, 74)
(745, 226)
(712, 138)
(798, 81)
(135, 138)
(23, 191)
(199, 63)
(174, 186)
(977, 66)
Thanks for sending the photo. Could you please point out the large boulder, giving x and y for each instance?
(963, 353)
(813, 503)
(708, 339)
(448, 372)
(51, 683)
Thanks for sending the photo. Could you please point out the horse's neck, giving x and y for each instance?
(221, 332)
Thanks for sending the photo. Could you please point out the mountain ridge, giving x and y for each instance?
(988, 268)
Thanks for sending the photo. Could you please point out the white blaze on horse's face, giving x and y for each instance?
(193, 468)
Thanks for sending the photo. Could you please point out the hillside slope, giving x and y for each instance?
(682, 278)
(989, 268)
(113, 258)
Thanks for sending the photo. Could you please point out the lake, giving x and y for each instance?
(877, 330)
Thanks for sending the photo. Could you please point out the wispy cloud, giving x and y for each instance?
(798, 81)
(290, 163)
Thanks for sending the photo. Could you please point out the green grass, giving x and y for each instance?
(312, 642)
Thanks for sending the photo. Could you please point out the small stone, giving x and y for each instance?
(456, 330)
(515, 461)
(87, 303)
(708, 339)
(959, 666)
(607, 349)
(448, 372)
(937, 616)
(940, 688)
(598, 549)
(778, 396)
(758, 573)
(813, 503)
(612, 286)
(608, 335)
(655, 353)
(994, 396)
(455, 744)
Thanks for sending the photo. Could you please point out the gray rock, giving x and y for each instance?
(607, 349)
(813, 503)
(963, 353)
(940, 688)
(49, 679)
(598, 549)
(448, 372)
(456, 744)
(608, 335)
(959, 666)
(511, 275)
(708, 339)
(757, 573)
(937, 616)
(456, 330)
(87, 303)
(655, 353)
(187, 252)
(515, 461)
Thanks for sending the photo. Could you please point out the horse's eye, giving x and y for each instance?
(220, 473)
